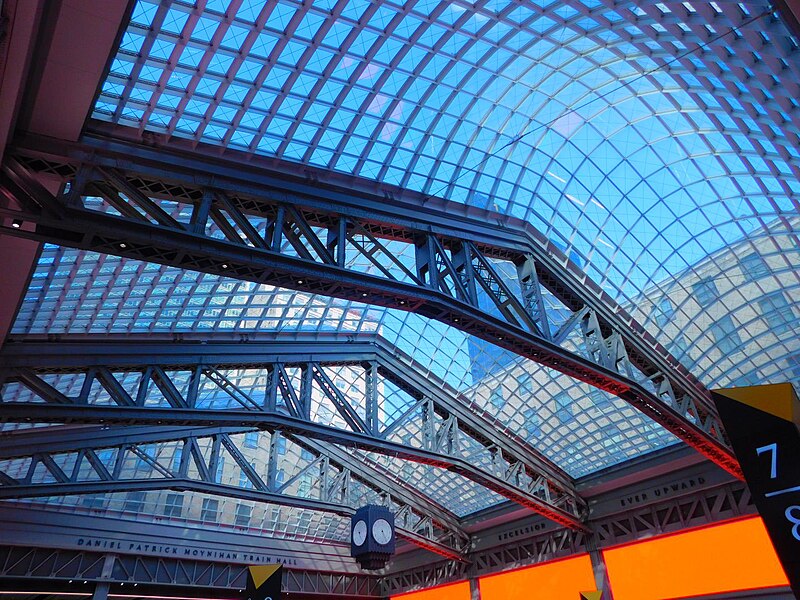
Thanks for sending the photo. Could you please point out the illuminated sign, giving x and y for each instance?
(555, 580)
(728, 557)
(762, 424)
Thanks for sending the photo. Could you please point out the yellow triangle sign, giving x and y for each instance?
(594, 595)
(261, 573)
(776, 399)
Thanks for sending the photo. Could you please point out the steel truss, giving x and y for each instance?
(51, 565)
(700, 508)
(444, 421)
(520, 474)
(420, 520)
(298, 233)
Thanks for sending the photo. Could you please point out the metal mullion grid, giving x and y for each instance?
(224, 306)
(180, 43)
(754, 362)
(478, 170)
(298, 69)
(313, 94)
(146, 297)
(162, 305)
(343, 93)
(180, 310)
(126, 295)
(486, 58)
(419, 104)
(456, 91)
(255, 31)
(353, 81)
(701, 37)
(200, 70)
(105, 293)
(139, 61)
(377, 87)
(276, 51)
(46, 283)
(62, 298)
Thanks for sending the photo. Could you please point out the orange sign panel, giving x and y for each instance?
(557, 580)
(453, 591)
(730, 557)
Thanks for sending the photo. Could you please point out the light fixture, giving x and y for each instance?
(16, 223)
(224, 265)
(364, 294)
(123, 245)
(299, 282)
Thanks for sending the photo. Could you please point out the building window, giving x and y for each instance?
(173, 507)
(525, 386)
(725, 334)
(777, 312)
(244, 480)
(753, 267)
(600, 399)
(564, 407)
(304, 487)
(793, 365)
(176, 459)
(679, 347)
(496, 397)
(209, 510)
(134, 502)
(220, 469)
(532, 422)
(251, 439)
(664, 311)
(705, 291)
(306, 455)
(243, 512)
(95, 501)
(144, 463)
(281, 445)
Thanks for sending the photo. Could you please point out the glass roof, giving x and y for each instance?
(658, 145)
(628, 135)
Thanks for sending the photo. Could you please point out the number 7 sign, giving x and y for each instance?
(762, 425)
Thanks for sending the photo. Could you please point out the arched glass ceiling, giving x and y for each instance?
(643, 139)
(580, 429)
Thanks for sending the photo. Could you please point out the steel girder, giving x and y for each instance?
(310, 231)
(420, 521)
(59, 565)
(518, 472)
(703, 507)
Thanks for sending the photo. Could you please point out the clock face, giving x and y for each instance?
(382, 531)
(359, 533)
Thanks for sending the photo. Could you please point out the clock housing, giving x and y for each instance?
(379, 544)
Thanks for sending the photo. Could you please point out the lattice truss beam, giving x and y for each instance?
(703, 507)
(129, 459)
(21, 563)
(318, 392)
(503, 283)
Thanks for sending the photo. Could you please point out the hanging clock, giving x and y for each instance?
(372, 536)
